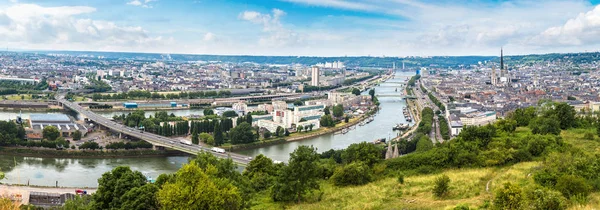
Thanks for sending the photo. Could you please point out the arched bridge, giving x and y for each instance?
(156, 140)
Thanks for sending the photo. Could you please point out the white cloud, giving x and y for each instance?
(30, 26)
(141, 3)
(209, 37)
(581, 30)
(277, 35)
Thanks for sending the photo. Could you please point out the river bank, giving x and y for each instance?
(49, 153)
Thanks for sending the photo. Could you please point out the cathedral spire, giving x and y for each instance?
(501, 59)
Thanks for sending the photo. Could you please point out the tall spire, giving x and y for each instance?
(501, 59)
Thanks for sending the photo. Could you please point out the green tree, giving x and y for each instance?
(424, 144)
(338, 110)
(261, 171)
(355, 91)
(140, 198)
(363, 152)
(545, 125)
(507, 125)
(208, 112)
(195, 188)
(230, 113)
(356, 173)
(298, 103)
(571, 186)
(299, 177)
(509, 197)
(326, 110)
(114, 184)
(564, 113)
(79, 203)
(523, 116)
(76, 135)
(267, 134)
(195, 138)
(442, 186)
(299, 128)
(372, 93)
(327, 121)
(542, 199)
(218, 135)
(241, 134)
(50, 133)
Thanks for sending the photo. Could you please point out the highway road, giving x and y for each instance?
(154, 139)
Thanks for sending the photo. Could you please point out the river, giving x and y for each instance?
(73, 172)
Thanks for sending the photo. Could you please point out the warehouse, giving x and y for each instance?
(65, 125)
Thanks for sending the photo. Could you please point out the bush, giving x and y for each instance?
(355, 173)
(546, 199)
(442, 186)
(509, 197)
(401, 178)
(588, 136)
(462, 207)
(571, 186)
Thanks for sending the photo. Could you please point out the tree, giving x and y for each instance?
(267, 134)
(241, 134)
(299, 128)
(564, 113)
(140, 198)
(218, 136)
(327, 121)
(287, 132)
(442, 186)
(507, 125)
(326, 110)
(113, 185)
(523, 116)
(195, 139)
(355, 91)
(299, 177)
(363, 152)
(509, 197)
(50, 133)
(424, 144)
(356, 173)
(545, 125)
(280, 131)
(338, 110)
(76, 135)
(77, 203)
(230, 113)
(196, 188)
(347, 119)
(372, 93)
(542, 199)
(208, 112)
(261, 171)
(298, 103)
(310, 127)
(571, 186)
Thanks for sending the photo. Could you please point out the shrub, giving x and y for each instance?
(401, 178)
(442, 186)
(571, 186)
(461, 207)
(355, 173)
(588, 136)
(546, 199)
(509, 197)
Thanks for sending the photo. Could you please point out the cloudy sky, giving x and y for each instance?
(303, 27)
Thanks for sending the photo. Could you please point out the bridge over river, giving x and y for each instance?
(156, 140)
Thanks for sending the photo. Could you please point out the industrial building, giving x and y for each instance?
(66, 126)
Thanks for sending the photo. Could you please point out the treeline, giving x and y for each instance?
(208, 126)
(444, 128)
(413, 80)
(142, 94)
(129, 145)
(101, 106)
(177, 129)
(356, 80)
(11, 133)
(437, 102)
(310, 88)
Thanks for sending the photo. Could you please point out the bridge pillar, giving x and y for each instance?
(120, 135)
(154, 147)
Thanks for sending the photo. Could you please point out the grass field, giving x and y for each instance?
(467, 186)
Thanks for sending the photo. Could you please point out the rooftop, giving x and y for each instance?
(49, 117)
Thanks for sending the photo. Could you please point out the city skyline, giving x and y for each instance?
(302, 27)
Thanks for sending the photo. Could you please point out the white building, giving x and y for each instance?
(300, 116)
(478, 118)
(240, 107)
(315, 76)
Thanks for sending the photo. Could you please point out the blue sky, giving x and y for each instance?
(303, 27)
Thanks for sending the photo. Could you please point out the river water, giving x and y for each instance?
(73, 172)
